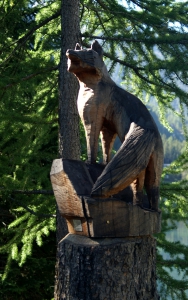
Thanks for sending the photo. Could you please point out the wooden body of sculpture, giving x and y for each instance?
(107, 109)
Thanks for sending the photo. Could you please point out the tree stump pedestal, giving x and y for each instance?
(106, 269)
(109, 252)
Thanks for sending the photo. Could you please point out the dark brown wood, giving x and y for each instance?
(107, 109)
(118, 268)
(116, 218)
(111, 269)
(99, 268)
(111, 217)
(69, 143)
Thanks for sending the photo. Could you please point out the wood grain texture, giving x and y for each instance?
(111, 269)
(107, 109)
(69, 142)
(70, 179)
(110, 217)
(117, 218)
(127, 163)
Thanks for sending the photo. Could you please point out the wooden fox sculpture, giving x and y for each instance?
(108, 109)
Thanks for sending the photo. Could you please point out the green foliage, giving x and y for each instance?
(35, 278)
(173, 253)
(147, 38)
(172, 148)
(147, 42)
(174, 140)
(28, 144)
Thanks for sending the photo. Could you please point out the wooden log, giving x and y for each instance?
(107, 269)
(72, 183)
(117, 218)
(70, 178)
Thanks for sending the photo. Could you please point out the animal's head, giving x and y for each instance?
(86, 63)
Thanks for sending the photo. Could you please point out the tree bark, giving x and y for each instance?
(107, 269)
(69, 145)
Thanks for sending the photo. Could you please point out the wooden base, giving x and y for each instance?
(118, 268)
(114, 218)
(72, 183)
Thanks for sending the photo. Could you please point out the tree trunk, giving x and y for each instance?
(107, 269)
(69, 144)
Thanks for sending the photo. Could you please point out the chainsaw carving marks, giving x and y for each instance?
(109, 110)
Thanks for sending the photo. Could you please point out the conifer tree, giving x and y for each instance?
(147, 41)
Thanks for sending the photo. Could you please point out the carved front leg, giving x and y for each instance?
(107, 139)
(92, 137)
(92, 118)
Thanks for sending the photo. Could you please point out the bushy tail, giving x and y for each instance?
(132, 157)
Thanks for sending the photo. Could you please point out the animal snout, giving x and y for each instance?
(68, 52)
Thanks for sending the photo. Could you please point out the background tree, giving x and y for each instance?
(147, 42)
(69, 144)
(29, 93)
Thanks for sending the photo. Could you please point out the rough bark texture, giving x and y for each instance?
(69, 145)
(107, 269)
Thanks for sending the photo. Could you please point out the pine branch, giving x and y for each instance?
(140, 5)
(20, 42)
(110, 38)
(117, 60)
(34, 192)
(151, 41)
(124, 13)
(32, 211)
(106, 9)
(30, 76)
(135, 69)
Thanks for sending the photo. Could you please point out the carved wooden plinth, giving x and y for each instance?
(72, 183)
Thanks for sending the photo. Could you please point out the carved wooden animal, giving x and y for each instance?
(108, 109)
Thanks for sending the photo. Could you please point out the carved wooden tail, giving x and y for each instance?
(132, 157)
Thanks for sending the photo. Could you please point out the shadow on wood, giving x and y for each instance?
(108, 110)
(72, 183)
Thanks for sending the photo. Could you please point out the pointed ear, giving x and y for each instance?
(97, 47)
(78, 47)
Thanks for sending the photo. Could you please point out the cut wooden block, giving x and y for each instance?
(112, 217)
(70, 179)
(116, 218)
